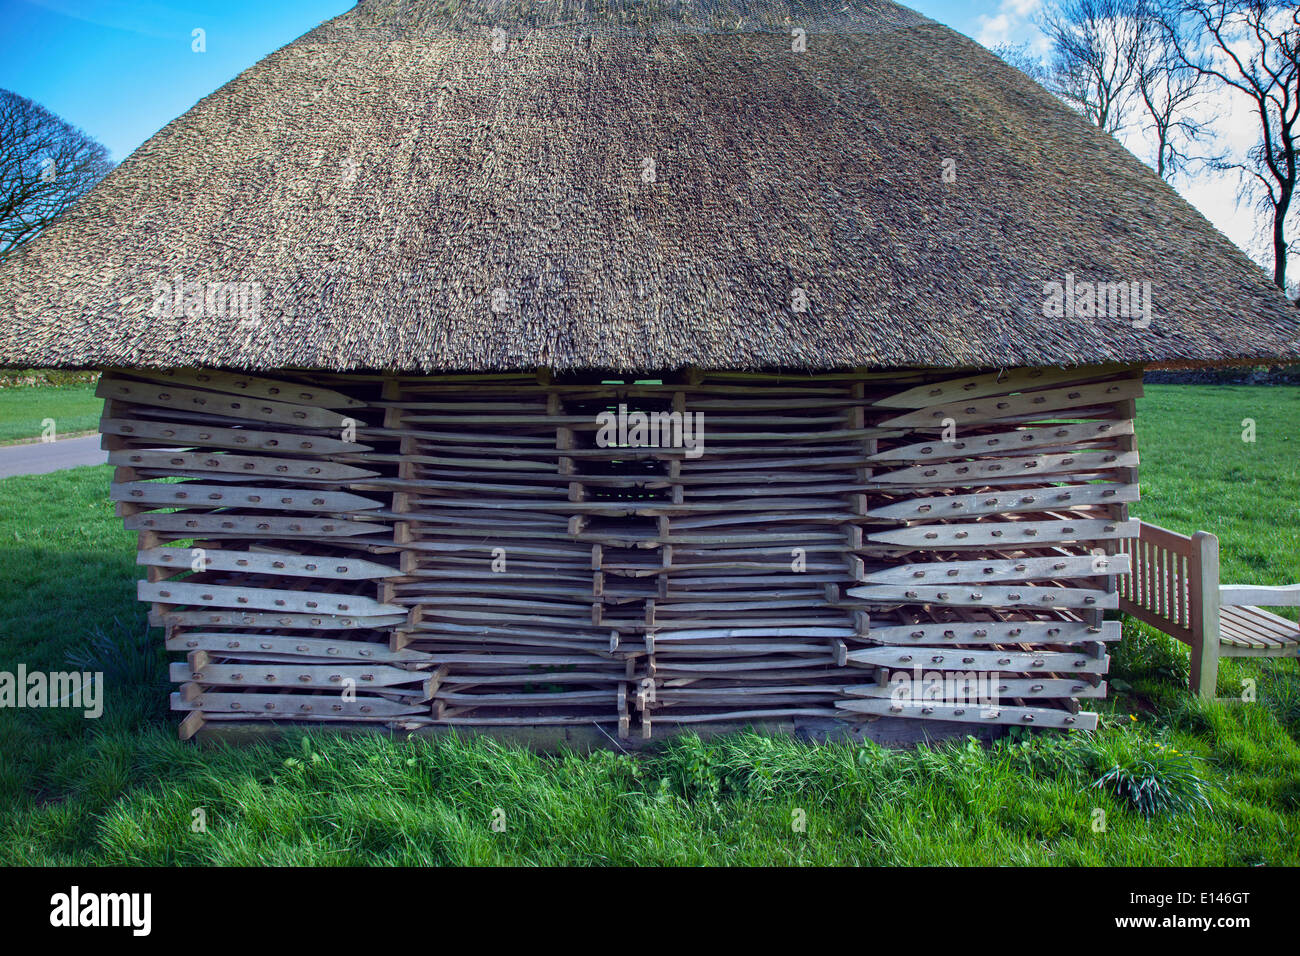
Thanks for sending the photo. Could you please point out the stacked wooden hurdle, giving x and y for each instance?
(261, 561)
(1009, 496)
(472, 549)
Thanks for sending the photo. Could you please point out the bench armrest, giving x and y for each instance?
(1237, 595)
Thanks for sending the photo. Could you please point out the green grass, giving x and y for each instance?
(23, 411)
(1225, 778)
(1199, 475)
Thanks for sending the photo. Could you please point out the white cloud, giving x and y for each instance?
(994, 30)
(1013, 23)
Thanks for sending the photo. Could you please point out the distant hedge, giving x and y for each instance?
(1248, 375)
(26, 377)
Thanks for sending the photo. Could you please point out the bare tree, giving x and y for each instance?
(1253, 48)
(1168, 88)
(1023, 59)
(1094, 64)
(46, 165)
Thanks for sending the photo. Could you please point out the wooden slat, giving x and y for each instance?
(1006, 502)
(214, 403)
(251, 385)
(278, 645)
(296, 676)
(1261, 622)
(1024, 468)
(995, 570)
(1003, 534)
(993, 383)
(261, 526)
(983, 596)
(250, 465)
(995, 632)
(669, 717)
(189, 494)
(970, 446)
(1036, 687)
(292, 622)
(965, 659)
(245, 439)
(296, 706)
(296, 565)
(273, 599)
(1024, 716)
(1245, 636)
(994, 409)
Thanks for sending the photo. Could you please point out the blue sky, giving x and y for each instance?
(123, 69)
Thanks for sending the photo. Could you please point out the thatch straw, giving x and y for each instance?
(387, 175)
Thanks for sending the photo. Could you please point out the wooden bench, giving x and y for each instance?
(1174, 586)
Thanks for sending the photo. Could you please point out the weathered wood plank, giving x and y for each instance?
(290, 622)
(965, 659)
(1003, 534)
(279, 645)
(1015, 406)
(982, 596)
(1025, 716)
(186, 435)
(1002, 382)
(284, 468)
(1035, 687)
(238, 384)
(296, 676)
(189, 494)
(968, 446)
(1027, 468)
(215, 403)
(295, 565)
(1053, 498)
(995, 570)
(1238, 595)
(995, 632)
(263, 526)
(296, 706)
(273, 599)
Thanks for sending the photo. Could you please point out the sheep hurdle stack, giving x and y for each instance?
(475, 550)
(1008, 497)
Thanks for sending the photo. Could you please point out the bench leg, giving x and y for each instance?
(1205, 666)
(1205, 614)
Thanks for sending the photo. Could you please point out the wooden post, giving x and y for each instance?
(1205, 614)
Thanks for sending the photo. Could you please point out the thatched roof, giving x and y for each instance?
(412, 189)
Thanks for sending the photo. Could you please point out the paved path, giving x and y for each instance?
(38, 458)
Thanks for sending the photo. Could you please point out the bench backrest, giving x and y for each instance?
(1174, 582)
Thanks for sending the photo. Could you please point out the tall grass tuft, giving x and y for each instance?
(1155, 779)
(134, 668)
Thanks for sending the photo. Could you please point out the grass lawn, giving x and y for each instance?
(74, 408)
(122, 789)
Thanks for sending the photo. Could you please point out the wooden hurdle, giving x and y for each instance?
(472, 550)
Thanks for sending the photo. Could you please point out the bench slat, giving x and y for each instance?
(1254, 627)
(1232, 633)
(1257, 620)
